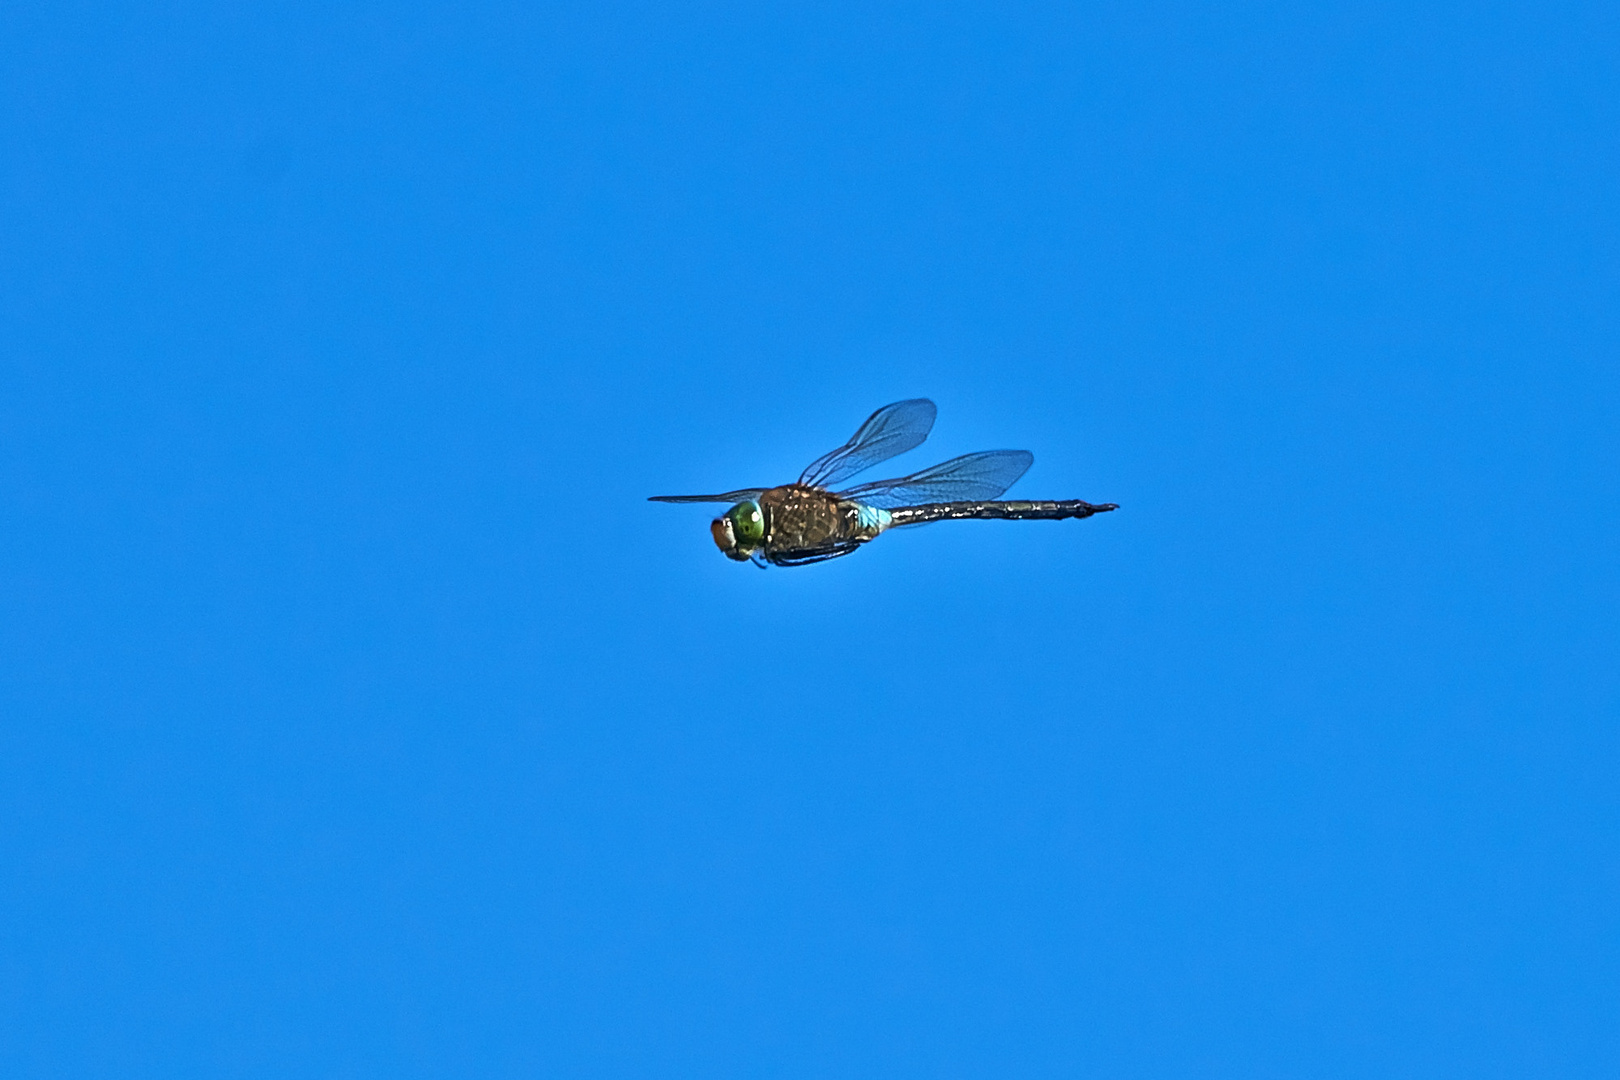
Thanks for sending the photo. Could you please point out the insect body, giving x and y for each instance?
(806, 521)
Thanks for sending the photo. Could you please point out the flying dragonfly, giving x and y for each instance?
(807, 521)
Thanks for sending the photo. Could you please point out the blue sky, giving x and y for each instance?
(360, 718)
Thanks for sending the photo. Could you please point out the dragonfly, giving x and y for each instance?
(808, 521)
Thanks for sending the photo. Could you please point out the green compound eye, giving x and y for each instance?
(747, 524)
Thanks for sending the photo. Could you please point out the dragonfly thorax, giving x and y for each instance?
(740, 530)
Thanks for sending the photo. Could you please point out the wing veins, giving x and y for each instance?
(891, 430)
(741, 495)
(971, 477)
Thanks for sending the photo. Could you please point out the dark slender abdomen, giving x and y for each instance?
(1050, 510)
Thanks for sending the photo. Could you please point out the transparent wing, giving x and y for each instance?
(969, 478)
(729, 497)
(891, 430)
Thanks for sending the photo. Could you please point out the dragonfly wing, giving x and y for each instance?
(969, 478)
(891, 430)
(729, 497)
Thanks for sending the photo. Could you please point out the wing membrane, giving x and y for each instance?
(891, 430)
(729, 497)
(969, 478)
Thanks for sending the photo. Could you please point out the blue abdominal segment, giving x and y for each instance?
(871, 518)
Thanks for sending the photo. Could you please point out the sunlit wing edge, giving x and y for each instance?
(888, 432)
(981, 476)
(729, 497)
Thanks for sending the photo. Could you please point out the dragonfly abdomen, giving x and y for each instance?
(1014, 510)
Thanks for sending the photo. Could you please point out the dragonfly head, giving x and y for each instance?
(740, 531)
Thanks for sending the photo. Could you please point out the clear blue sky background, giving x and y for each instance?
(360, 719)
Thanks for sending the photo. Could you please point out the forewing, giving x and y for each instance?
(729, 497)
(969, 478)
(891, 430)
